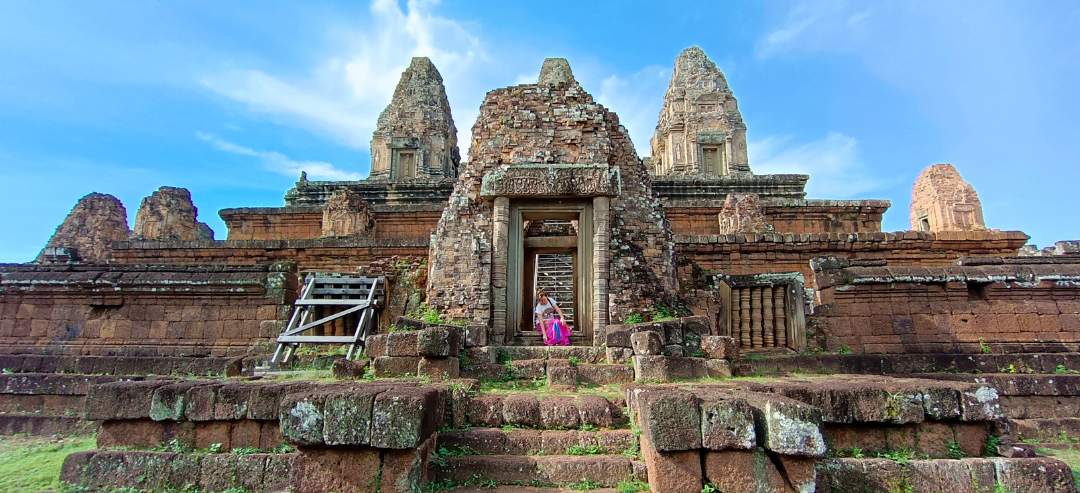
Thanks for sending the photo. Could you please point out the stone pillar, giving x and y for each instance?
(767, 316)
(780, 314)
(744, 317)
(755, 317)
(500, 235)
(601, 239)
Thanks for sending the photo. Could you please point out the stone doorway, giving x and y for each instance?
(549, 245)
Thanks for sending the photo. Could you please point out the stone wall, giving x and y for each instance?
(550, 123)
(776, 252)
(118, 310)
(323, 255)
(306, 222)
(979, 305)
(699, 217)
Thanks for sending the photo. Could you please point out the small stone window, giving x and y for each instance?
(924, 223)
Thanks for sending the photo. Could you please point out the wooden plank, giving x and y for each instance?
(363, 292)
(341, 302)
(315, 339)
(325, 319)
(347, 280)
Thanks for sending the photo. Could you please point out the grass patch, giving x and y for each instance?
(1070, 456)
(631, 486)
(33, 463)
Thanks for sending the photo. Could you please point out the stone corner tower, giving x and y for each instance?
(942, 201)
(550, 169)
(700, 130)
(88, 231)
(415, 137)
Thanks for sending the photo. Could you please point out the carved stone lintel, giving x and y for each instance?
(552, 180)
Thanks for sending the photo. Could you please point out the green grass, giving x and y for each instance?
(1070, 456)
(33, 463)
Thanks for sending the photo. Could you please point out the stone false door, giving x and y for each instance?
(580, 192)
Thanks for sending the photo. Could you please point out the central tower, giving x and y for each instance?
(550, 172)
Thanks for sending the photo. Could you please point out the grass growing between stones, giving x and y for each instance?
(30, 463)
(1069, 454)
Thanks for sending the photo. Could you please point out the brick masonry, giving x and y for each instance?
(142, 310)
(1009, 305)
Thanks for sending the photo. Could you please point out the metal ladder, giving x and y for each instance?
(354, 294)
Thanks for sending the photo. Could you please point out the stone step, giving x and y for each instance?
(1030, 475)
(495, 441)
(544, 411)
(584, 354)
(1046, 430)
(598, 470)
(526, 489)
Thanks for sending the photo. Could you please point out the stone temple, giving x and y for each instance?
(377, 335)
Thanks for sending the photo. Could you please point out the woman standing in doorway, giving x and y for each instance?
(549, 320)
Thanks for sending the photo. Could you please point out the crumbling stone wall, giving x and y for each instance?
(169, 214)
(553, 122)
(756, 253)
(1007, 305)
(942, 201)
(97, 220)
(122, 310)
(415, 136)
(700, 130)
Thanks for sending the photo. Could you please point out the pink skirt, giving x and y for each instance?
(555, 332)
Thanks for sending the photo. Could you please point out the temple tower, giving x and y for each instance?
(95, 222)
(415, 137)
(942, 201)
(700, 130)
(551, 175)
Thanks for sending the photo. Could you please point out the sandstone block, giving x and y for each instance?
(301, 418)
(521, 410)
(347, 416)
(349, 369)
(403, 417)
(438, 342)
(727, 423)
(395, 366)
(402, 343)
(671, 419)
(787, 426)
(618, 355)
(646, 343)
(720, 347)
(439, 368)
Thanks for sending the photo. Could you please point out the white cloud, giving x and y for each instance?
(813, 25)
(344, 93)
(833, 163)
(637, 99)
(280, 163)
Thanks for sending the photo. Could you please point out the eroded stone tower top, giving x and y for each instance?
(942, 201)
(93, 224)
(415, 137)
(169, 214)
(700, 130)
(555, 71)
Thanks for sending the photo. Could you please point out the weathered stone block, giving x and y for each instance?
(301, 418)
(618, 355)
(438, 368)
(400, 417)
(438, 342)
(376, 345)
(169, 401)
(672, 470)
(521, 410)
(121, 400)
(717, 368)
(720, 347)
(563, 377)
(671, 419)
(402, 343)
(727, 423)
(395, 366)
(787, 426)
(347, 416)
(559, 412)
(349, 369)
(646, 343)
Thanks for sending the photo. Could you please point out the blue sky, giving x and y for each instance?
(232, 99)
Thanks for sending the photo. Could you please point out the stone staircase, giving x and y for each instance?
(532, 441)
